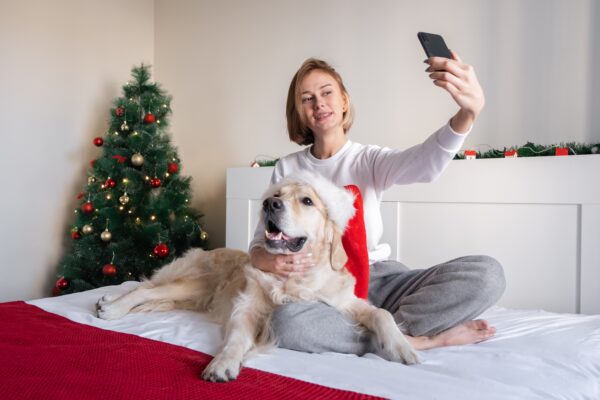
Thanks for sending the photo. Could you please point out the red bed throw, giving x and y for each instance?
(46, 356)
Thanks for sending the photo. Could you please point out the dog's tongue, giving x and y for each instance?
(276, 236)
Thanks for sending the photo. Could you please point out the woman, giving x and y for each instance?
(436, 306)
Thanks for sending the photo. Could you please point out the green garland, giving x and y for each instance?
(528, 150)
(537, 150)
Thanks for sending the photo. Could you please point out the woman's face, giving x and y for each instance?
(322, 103)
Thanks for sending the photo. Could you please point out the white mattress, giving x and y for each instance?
(535, 354)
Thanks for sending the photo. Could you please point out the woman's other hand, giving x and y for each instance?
(286, 265)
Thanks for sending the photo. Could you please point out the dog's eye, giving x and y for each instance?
(307, 201)
(276, 194)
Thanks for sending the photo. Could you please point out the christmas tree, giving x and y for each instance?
(133, 215)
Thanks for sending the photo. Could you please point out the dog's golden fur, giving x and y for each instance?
(223, 283)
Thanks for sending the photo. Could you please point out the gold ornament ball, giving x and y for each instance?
(137, 159)
(106, 236)
(124, 199)
(203, 235)
(124, 126)
(91, 180)
(87, 229)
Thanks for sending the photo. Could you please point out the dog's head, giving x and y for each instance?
(306, 209)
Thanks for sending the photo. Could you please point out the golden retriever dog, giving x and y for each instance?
(302, 211)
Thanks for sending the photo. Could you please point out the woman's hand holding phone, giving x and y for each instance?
(458, 79)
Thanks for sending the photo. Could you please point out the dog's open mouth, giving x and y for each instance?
(276, 239)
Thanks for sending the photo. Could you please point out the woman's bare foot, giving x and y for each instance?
(466, 333)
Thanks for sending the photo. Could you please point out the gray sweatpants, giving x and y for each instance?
(422, 301)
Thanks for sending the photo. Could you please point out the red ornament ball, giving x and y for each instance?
(173, 168)
(98, 141)
(155, 182)
(161, 250)
(93, 163)
(110, 183)
(62, 284)
(87, 208)
(120, 111)
(75, 235)
(109, 270)
(149, 118)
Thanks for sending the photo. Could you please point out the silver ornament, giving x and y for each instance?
(137, 159)
(91, 180)
(124, 199)
(124, 126)
(106, 236)
(87, 229)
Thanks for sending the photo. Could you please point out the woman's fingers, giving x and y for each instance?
(454, 67)
(298, 264)
(452, 89)
(448, 77)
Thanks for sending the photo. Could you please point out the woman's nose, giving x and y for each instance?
(318, 103)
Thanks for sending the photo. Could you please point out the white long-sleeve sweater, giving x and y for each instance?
(374, 169)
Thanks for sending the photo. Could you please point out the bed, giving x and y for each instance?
(547, 345)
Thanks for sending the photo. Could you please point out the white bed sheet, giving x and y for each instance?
(535, 354)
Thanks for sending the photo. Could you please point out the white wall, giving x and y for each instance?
(62, 62)
(228, 65)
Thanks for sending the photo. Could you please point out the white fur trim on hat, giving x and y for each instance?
(338, 201)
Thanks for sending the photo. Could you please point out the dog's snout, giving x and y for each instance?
(273, 204)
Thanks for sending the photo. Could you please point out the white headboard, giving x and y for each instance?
(540, 217)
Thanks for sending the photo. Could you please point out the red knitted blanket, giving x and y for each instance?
(46, 356)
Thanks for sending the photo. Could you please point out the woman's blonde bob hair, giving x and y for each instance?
(297, 130)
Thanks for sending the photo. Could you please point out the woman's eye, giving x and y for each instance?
(326, 93)
(307, 201)
(306, 99)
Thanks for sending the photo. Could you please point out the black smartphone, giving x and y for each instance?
(434, 45)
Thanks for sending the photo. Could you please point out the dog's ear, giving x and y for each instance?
(337, 255)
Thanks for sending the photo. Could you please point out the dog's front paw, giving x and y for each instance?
(397, 348)
(220, 370)
(106, 308)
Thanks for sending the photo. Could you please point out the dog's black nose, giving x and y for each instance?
(273, 204)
